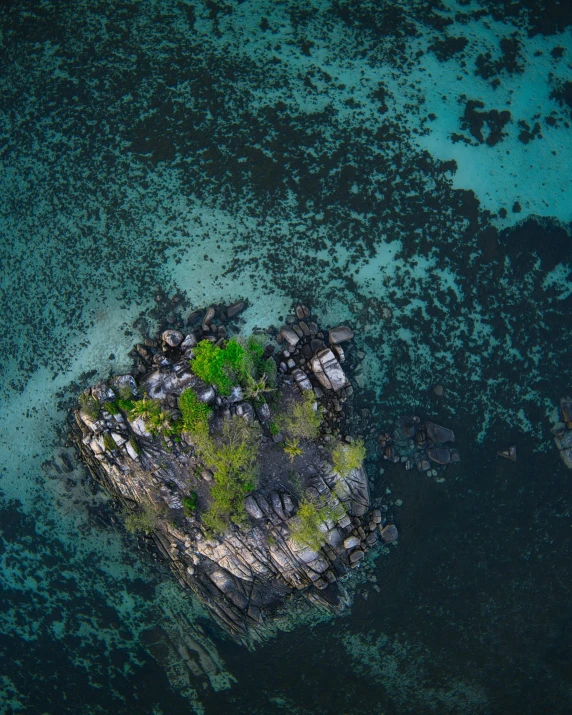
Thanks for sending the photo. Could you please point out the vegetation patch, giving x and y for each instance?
(238, 363)
(143, 520)
(308, 528)
(112, 407)
(108, 442)
(292, 448)
(157, 421)
(190, 503)
(194, 413)
(89, 405)
(232, 457)
(302, 418)
(347, 457)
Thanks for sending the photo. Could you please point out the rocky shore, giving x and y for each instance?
(300, 522)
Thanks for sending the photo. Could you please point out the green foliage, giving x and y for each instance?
(157, 421)
(274, 429)
(124, 392)
(108, 442)
(307, 528)
(190, 503)
(232, 457)
(111, 407)
(238, 363)
(195, 414)
(89, 405)
(209, 364)
(125, 405)
(346, 457)
(269, 371)
(145, 519)
(292, 448)
(301, 420)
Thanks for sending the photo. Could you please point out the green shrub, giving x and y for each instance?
(89, 405)
(305, 527)
(301, 420)
(209, 364)
(125, 405)
(124, 392)
(190, 503)
(144, 519)
(347, 457)
(111, 407)
(108, 442)
(274, 429)
(238, 363)
(195, 414)
(232, 457)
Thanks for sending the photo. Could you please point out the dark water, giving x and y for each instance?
(360, 156)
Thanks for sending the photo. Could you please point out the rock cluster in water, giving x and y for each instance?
(563, 431)
(424, 445)
(246, 574)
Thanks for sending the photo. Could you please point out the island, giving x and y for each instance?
(233, 454)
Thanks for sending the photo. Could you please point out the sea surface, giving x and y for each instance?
(402, 166)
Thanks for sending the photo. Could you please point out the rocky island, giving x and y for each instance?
(233, 454)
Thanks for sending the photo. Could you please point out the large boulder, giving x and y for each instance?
(328, 370)
(340, 334)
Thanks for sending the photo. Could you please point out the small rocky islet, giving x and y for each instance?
(235, 455)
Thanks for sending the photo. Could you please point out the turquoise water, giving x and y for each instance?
(329, 152)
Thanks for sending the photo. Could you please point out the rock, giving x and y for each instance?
(351, 542)
(438, 390)
(339, 352)
(305, 329)
(236, 308)
(189, 342)
(125, 381)
(138, 426)
(236, 394)
(436, 433)
(389, 533)
(301, 380)
(508, 453)
(371, 539)
(205, 393)
(316, 345)
(563, 440)
(209, 315)
(356, 556)
(263, 412)
(194, 317)
(172, 338)
(298, 330)
(252, 508)
(289, 336)
(302, 311)
(131, 450)
(441, 455)
(340, 334)
(328, 370)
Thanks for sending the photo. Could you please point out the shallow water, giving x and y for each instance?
(329, 152)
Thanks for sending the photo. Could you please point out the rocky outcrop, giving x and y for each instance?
(244, 575)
